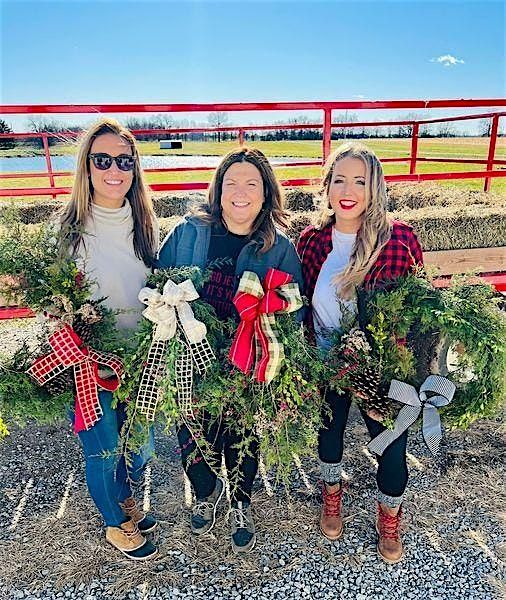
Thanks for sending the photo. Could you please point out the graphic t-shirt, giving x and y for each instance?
(224, 248)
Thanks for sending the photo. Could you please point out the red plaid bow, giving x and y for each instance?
(255, 336)
(69, 351)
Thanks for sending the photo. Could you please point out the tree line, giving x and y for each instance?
(221, 119)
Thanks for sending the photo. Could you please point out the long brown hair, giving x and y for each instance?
(375, 229)
(78, 209)
(272, 213)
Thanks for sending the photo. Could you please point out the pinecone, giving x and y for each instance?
(371, 394)
(365, 382)
(61, 383)
(83, 329)
(379, 407)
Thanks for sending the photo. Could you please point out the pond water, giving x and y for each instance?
(26, 164)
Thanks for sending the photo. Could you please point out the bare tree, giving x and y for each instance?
(446, 129)
(218, 119)
(485, 127)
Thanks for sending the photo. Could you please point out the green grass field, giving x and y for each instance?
(434, 147)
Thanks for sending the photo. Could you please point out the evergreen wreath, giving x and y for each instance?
(284, 415)
(35, 271)
(169, 411)
(405, 333)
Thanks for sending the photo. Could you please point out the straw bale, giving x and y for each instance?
(456, 227)
(166, 224)
(299, 201)
(418, 195)
(173, 204)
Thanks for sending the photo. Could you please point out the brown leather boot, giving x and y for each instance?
(126, 537)
(389, 539)
(331, 521)
(144, 522)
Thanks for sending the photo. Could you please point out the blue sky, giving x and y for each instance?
(142, 51)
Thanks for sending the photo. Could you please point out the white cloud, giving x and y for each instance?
(448, 60)
(359, 96)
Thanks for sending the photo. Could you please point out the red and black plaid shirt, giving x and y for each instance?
(401, 252)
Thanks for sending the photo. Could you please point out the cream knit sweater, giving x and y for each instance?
(107, 256)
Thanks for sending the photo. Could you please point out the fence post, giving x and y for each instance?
(414, 148)
(491, 151)
(48, 161)
(327, 131)
(241, 137)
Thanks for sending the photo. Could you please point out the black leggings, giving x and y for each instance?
(392, 475)
(202, 473)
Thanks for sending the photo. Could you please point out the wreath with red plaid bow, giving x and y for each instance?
(34, 271)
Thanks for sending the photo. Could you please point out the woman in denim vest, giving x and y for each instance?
(237, 229)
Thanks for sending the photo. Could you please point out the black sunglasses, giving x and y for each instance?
(103, 161)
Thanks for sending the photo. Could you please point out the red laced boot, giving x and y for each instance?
(331, 521)
(389, 539)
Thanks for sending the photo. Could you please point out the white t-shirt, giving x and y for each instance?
(107, 256)
(328, 307)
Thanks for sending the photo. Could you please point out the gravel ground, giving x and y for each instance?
(52, 545)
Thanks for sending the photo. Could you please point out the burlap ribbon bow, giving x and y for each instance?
(172, 314)
(255, 340)
(68, 351)
(443, 390)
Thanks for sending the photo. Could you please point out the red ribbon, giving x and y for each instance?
(250, 331)
(69, 351)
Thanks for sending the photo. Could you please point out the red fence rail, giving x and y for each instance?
(326, 126)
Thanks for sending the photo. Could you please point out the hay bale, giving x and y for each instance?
(445, 218)
(300, 201)
(175, 205)
(419, 195)
(298, 222)
(452, 228)
(457, 227)
(168, 223)
(33, 212)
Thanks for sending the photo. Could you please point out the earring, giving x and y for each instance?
(331, 211)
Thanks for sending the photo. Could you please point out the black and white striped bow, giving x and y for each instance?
(443, 390)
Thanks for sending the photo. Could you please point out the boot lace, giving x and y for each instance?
(133, 533)
(332, 501)
(388, 525)
(240, 516)
(201, 509)
(133, 511)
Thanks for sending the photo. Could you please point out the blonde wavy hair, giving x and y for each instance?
(78, 209)
(273, 212)
(375, 230)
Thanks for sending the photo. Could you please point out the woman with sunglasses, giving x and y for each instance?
(110, 229)
(354, 245)
(236, 230)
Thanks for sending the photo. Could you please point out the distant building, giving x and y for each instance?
(171, 144)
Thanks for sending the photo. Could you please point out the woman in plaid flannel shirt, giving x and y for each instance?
(354, 244)
(109, 227)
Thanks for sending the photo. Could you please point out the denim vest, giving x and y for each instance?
(188, 244)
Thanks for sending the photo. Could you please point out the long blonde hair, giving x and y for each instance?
(273, 212)
(375, 230)
(78, 209)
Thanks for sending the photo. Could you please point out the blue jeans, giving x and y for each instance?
(107, 475)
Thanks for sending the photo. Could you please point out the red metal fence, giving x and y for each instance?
(491, 163)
